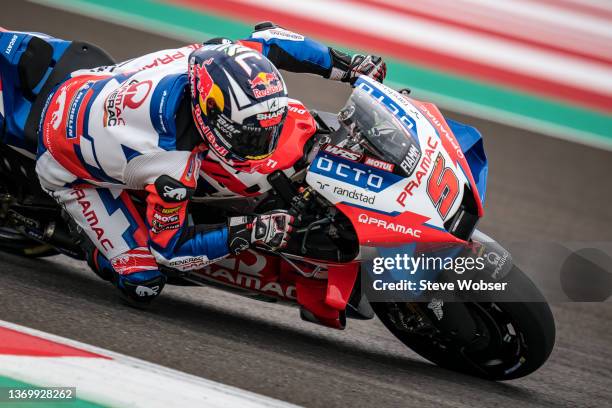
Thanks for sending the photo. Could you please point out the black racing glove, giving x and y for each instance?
(270, 230)
(347, 69)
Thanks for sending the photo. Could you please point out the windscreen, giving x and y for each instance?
(371, 124)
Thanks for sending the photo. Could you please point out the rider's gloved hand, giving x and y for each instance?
(270, 230)
(368, 65)
(348, 68)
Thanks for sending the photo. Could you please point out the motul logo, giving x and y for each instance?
(379, 164)
(340, 152)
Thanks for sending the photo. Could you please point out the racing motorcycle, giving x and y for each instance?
(387, 172)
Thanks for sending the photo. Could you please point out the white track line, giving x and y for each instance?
(507, 23)
(123, 381)
(461, 43)
(549, 14)
(602, 4)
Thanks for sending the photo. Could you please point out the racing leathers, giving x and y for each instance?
(129, 127)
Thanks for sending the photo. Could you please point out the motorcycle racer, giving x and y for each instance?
(147, 124)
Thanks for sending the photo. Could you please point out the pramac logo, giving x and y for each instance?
(136, 94)
(129, 95)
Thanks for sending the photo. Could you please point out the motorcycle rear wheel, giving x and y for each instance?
(14, 243)
(515, 338)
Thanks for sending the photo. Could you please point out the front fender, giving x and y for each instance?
(498, 261)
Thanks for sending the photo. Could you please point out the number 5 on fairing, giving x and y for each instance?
(442, 187)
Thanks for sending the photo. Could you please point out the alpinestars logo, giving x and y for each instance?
(143, 291)
(129, 95)
(177, 194)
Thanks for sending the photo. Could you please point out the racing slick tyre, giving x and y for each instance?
(14, 243)
(507, 340)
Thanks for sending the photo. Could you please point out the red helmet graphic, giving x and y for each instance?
(204, 80)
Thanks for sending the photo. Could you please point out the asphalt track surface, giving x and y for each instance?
(540, 189)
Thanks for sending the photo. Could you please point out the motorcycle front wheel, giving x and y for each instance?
(508, 339)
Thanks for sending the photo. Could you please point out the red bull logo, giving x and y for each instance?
(203, 78)
(203, 85)
(265, 84)
(207, 133)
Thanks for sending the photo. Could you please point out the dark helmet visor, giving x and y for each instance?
(255, 143)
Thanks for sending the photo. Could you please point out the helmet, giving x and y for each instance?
(238, 100)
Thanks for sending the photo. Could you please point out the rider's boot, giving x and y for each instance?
(137, 276)
(134, 273)
(141, 288)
